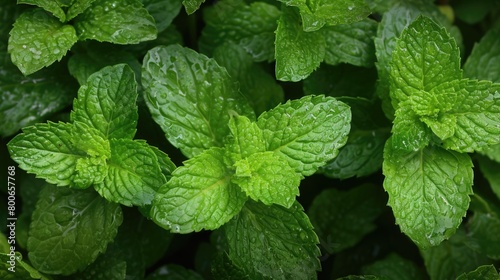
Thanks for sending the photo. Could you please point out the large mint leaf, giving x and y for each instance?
(134, 174)
(47, 151)
(163, 11)
(51, 6)
(298, 53)
(126, 22)
(37, 40)
(484, 61)
(428, 191)
(70, 228)
(108, 102)
(307, 132)
(251, 27)
(200, 195)
(190, 96)
(317, 13)
(273, 242)
(350, 43)
(268, 178)
(343, 218)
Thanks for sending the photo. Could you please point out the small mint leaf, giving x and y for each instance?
(90, 170)
(134, 174)
(108, 102)
(164, 161)
(192, 5)
(47, 150)
(428, 191)
(190, 96)
(124, 22)
(298, 53)
(70, 228)
(89, 140)
(200, 195)
(54, 7)
(409, 132)
(247, 137)
(306, 132)
(273, 242)
(268, 178)
(37, 40)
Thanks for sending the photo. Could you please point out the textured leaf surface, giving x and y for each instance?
(307, 132)
(298, 53)
(485, 272)
(70, 228)
(273, 242)
(163, 11)
(50, 6)
(190, 97)
(428, 191)
(268, 178)
(134, 174)
(37, 40)
(199, 195)
(108, 102)
(77, 7)
(124, 22)
(47, 151)
(22, 269)
(247, 138)
(394, 267)
(484, 61)
(192, 5)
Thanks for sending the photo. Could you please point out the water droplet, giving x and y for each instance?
(24, 46)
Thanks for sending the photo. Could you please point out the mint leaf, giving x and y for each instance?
(427, 207)
(108, 102)
(490, 168)
(47, 151)
(22, 269)
(297, 52)
(268, 178)
(350, 43)
(483, 62)
(77, 7)
(53, 7)
(486, 272)
(247, 138)
(37, 40)
(200, 195)
(190, 97)
(306, 132)
(70, 228)
(409, 132)
(251, 27)
(394, 267)
(192, 5)
(163, 11)
(260, 88)
(133, 173)
(127, 22)
(317, 13)
(164, 161)
(273, 242)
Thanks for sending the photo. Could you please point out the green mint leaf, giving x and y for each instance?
(485, 272)
(260, 88)
(273, 242)
(51, 6)
(394, 267)
(108, 102)
(342, 218)
(251, 27)
(190, 96)
(70, 228)
(428, 191)
(317, 13)
(163, 11)
(192, 5)
(266, 177)
(134, 174)
(47, 151)
(247, 137)
(298, 53)
(22, 269)
(126, 22)
(37, 40)
(484, 60)
(489, 169)
(164, 161)
(452, 258)
(77, 7)
(200, 195)
(409, 132)
(306, 132)
(28, 100)
(350, 43)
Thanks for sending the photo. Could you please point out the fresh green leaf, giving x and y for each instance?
(306, 132)
(200, 195)
(345, 217)
(70, 228)
(298, 53)
(47, 151)
(164, 161)
(134, 174)
(190, 96)
(483, 62)
(108, 102)
(37, 40)
(20, 270)
(350, 43)
(428, 191)
(268, 178)
(174, 272)
(251, 27)
(48, 5)
(317, 13)
(485, 272)
(77, 7)
(394, 267)
(273, 242)
(409, 133)
(163, 11)
(192, 5)
(125, 22)
(247, 138)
